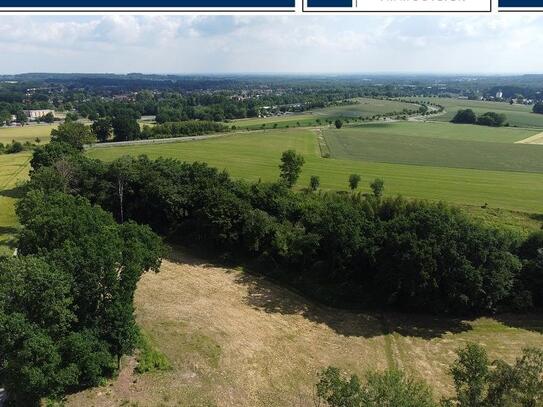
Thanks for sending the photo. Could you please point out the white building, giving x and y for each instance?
(36, 114)
(499, 94)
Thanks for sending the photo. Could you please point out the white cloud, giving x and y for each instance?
(158, 43)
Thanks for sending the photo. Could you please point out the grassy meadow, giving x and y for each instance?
(13, 169)
(234, 339)
(26, 133)
(256, 155)
(517, 115)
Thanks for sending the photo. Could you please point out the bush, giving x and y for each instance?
(466, 116)
(149, 358)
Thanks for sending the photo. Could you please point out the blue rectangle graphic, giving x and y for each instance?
(329, 3)
(521, 3)
(201, 4)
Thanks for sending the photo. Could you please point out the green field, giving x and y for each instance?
(449, 131)
(364, 108)
(256, 156)
(517, 115)
(26, 133)
(13, 169)
(387, 144)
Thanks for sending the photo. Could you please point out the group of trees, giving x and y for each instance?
(468, 116)
(477, 383)
(182, 129)
(340, 248)
(66, 299)
(538, 108)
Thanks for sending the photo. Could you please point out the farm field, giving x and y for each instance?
(26, 133)
(234, 339)
(386, 143)
(255, 156)
(13, 169)
(447, 131)
(365, 108)
(517, 115)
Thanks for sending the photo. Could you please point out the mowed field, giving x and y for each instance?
(26, 133)
(437, 144)
(13, 169)
(517, 115)
(256, 155)
(234, 339)
(364, 108)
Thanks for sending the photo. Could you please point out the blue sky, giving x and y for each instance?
(269, 44)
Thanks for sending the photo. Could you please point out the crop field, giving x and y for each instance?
(26, 133)
(517, 115)
(234, 339)
(256, 155)
(389, 145)
(365, 108)
(13, 169)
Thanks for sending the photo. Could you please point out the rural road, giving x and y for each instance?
(155, 141)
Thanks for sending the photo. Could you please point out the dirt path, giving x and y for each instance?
(535, 139)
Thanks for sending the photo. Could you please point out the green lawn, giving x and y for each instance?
(517, 115)
(13, 169)
(256, 156)
(26, 133)
(389, 145)
(364, 108)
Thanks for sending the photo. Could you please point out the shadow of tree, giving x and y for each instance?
(16, 192)
(530, 322)
(269, 297)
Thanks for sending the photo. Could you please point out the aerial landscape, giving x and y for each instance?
(243, 236)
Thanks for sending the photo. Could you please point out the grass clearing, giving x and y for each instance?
(362, 143)
(255, 156)
(27, 133)
(273, 342)
(517, 115)
(13, 169)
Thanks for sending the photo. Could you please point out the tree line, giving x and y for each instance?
(346, 248)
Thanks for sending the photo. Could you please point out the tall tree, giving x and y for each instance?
(73, 133)
(291, 167)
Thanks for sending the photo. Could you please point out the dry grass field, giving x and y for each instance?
(235, 339)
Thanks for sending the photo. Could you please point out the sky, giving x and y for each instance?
(477, 44)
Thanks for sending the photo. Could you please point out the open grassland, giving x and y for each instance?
(13, 169)
(255, 156)
(26, 133)
(364, 108)
(371, 143)
(447, 131)
(517, 115)
(234, 339)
